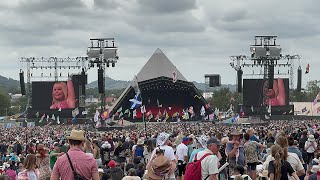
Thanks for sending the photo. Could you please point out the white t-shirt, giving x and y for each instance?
(311, 149)
(209, 165)
(182, 151)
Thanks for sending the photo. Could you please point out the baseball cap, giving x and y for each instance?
(214, 141)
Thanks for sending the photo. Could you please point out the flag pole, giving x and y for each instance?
(143, 119)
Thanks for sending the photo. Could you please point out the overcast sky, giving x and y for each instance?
(198, 36)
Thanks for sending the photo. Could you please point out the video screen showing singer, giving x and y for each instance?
(63, 95)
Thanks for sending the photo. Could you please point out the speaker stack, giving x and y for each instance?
(100, 81)
(22, 85)
(83, 82)
(299, 79)
(239, 76)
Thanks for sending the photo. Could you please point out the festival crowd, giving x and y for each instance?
(278, 150)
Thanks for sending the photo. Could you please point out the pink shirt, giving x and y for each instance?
(83, 164)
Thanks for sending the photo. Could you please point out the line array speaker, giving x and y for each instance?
(100, 81)
(239, 76)
(22, 85)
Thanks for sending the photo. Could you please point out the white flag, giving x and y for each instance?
(202, 111)
(134, 113)
(96, 116)
(75, 112)
(143, 109)
(58, 120)
(53, 117)
(42, 117)
(59, 109)
(47, 118)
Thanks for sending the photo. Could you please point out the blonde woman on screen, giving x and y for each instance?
(63, 95)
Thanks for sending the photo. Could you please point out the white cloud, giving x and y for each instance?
(198, 36)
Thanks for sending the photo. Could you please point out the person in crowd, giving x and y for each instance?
(314, 170)
(279, 168)
(163, 143)
(292, 158)
(55, 154)
(31, 171)
(251, 155)
(20, 167)
(252, 136)
(11, 173)
(84, 164)
(138, 152)
(114, 171)
(182, 156)
(131, 175)
(96, 152)
(223, 160)
(294, 149)
(43, 161)
(239, 173)
(235, 151)
(210, 164)
(63, 95)
(140, 170)
(310, 147)
(202, 144)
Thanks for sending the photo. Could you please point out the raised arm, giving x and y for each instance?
(71, 95)
(282, 94)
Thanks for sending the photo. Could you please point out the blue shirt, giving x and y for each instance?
(295, 150)
(194, 153)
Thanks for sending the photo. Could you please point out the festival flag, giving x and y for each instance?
(176, 114)
(290, 112)
(165, 115)
(105, 115)
(42, 117)
(169, 108)
(207, 106)
(37, 114)
(143, 109)
(307, 68)
(158, 103)
(129, 114)
(174, 77)
(75, 112)
(47, 118)
(252, 109)
(315, 101)
(59, 109)
(185, 115)
(98, 124)
(269, 109)
(119, 110)
(121, 114)
(211, 117)
(216, 111)
(134, 114)
(96, 116)
(126, 111)
(53, 117)
(58, 120)
(191, 110)
(202, 111)
(136, 101)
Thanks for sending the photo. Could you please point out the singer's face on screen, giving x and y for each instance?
(57, 92)
(271, 93)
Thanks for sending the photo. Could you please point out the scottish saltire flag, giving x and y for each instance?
(136, 101)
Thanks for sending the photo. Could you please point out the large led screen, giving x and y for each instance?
(257, 93)
(55, 95)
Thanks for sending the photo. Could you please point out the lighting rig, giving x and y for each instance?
(41, 69)
(102, 54)
(265, 53)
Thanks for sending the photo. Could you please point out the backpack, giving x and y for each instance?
(193, 169)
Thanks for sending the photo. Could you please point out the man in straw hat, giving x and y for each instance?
(235, 150)
(84, 164)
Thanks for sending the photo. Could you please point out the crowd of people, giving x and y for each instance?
(279, 150)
